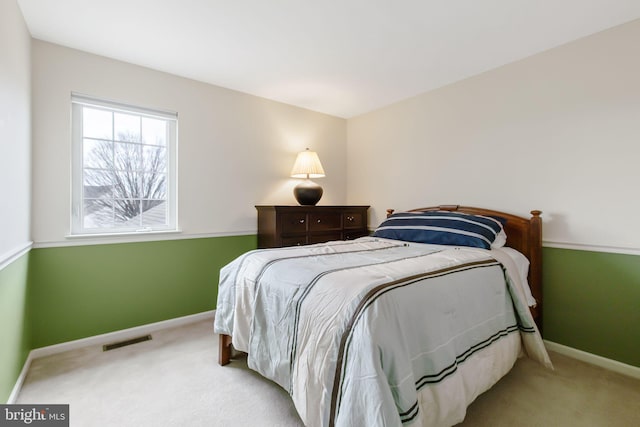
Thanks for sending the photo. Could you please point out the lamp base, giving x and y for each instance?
(307, 193)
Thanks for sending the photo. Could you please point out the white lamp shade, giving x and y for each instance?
(307, 165)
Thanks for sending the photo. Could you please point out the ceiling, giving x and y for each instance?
(340, 57)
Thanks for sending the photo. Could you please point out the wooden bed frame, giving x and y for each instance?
(523, 234)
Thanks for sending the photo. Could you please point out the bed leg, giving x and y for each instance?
(224, 349)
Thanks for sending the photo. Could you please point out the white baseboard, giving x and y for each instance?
(603, 362)
(107, 338)
(122, 335)
(23, 374)
(612, 365)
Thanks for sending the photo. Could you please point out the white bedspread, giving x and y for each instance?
(377, 333)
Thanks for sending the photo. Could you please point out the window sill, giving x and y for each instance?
(122, 237)
(121, 234)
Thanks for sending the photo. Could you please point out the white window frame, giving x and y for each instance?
(79, 101)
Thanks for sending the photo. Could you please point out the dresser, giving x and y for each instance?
(303, 225)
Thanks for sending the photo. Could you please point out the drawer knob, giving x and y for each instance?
(302, 221)
(318, 221)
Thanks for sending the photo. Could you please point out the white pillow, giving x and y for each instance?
(501, 239)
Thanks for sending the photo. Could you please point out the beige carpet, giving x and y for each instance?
(174, 380)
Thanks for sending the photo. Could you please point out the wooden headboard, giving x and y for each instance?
(523, 234)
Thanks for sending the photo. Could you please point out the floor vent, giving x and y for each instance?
(115, 345)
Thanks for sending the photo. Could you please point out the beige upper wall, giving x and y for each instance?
(235, 150)
(15, 130)
(559, 132)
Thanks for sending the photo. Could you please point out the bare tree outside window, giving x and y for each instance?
(135, 184)
(124, 170)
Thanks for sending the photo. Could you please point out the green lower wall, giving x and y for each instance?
(14, 323)
(81, 291)
(592, 299)
(592, 302)
(54, 295)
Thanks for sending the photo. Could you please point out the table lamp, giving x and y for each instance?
(307, 165)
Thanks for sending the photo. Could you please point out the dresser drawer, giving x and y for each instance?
(294, 241)
(324, 221)
(354, 220)
(294, 222)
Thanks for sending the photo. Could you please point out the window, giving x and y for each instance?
(124, 173)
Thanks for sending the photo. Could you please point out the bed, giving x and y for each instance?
(405, 327)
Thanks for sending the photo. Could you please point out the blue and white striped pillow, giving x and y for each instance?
(443, 228)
